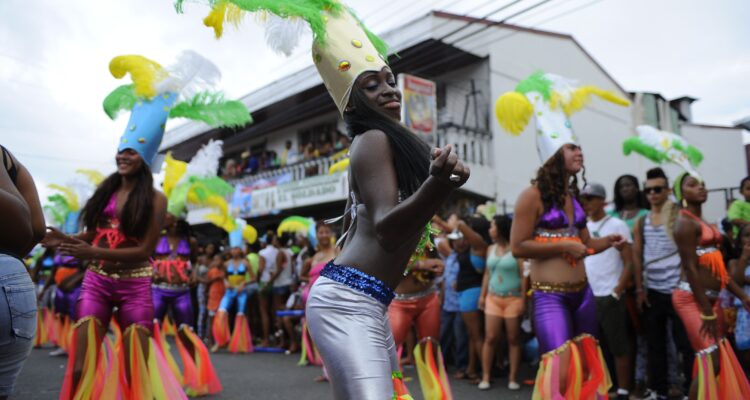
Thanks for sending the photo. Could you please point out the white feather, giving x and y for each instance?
(283, 34)
(191, 74)
(562, 85)
(205, 163)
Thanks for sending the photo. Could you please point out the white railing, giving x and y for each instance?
(299, 170)
(471, 146)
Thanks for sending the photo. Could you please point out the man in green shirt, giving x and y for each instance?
(739, 211)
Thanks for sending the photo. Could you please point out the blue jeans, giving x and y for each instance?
(454, 339)
(17, 320)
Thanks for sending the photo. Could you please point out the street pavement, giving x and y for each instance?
(262, 376)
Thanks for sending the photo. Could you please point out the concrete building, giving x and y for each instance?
(473, 62)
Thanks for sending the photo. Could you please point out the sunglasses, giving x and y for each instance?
(655, 189)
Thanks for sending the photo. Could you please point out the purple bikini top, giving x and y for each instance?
(65, 260)
(556, 218)
(163, 248)
(110, 211)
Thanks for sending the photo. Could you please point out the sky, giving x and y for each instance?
(54, 60)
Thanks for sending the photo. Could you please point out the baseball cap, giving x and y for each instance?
(594, 190)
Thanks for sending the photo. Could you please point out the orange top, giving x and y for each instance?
(709, 255)
(64, 273)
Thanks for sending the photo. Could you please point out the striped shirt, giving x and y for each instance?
(661, 260)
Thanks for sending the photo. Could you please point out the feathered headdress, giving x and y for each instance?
(660, 146)
(157, 93)
(551, 99)
(64, 207)
(343, 48)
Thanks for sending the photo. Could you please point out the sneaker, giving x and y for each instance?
(514, 386)
(483, 385)
(57, 352)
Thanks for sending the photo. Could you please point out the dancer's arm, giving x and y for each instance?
(130, 256)
(394, 222)
(527, 211)
(686, 236)
(478, 245)
(485, 285)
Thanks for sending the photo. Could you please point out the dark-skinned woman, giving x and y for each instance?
(122, 222)
(396, 184)
(696, 298)
(23, 228)
(549, 229)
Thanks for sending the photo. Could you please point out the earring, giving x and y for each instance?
(684, 203)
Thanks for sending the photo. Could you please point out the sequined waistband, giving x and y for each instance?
(171, 286)
(145, 271)
(359, 281)
(705, 250)
(685, 287)
(545, 234)
(414, 296)
(562, 287)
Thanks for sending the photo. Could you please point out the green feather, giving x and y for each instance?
(635, 144)
(536, 83)
(177, 202)
(217, 186)
(212, 109)
(122, 98)
(58, 208)
(693, 154)
(309, 10)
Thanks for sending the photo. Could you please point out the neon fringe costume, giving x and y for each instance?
(730, 383)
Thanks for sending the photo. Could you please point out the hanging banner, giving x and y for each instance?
(419, 104)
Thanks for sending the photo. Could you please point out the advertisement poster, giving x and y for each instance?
(419, 104)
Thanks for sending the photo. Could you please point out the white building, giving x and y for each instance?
(473, 61)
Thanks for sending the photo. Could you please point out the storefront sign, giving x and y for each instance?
(419, 109)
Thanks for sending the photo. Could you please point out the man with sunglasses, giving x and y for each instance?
(655, 252)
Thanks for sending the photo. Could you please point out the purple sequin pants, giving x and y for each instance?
(179, 299)
(65, 302)
(131, 296)
(561, 316)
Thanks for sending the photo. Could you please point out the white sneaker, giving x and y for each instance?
(483, 385)
(514, 386)
(57, 352)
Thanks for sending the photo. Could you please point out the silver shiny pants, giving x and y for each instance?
(353, 335)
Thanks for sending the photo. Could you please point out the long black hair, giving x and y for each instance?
(137, 211)
(503, 224)
(411, 155)
(550, 180)
(640, 199)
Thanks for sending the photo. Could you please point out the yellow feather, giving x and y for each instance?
(221, 220)
(513, 111)
(173, 172)
(340, 166)
(70, 196)
(94, 176)
(145, 73)
(582, 96)
(221, 12)
(249, 234)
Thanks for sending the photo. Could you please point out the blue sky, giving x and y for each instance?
(54, 57)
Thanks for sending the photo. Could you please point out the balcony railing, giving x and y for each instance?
(471, 145)
(298, 171)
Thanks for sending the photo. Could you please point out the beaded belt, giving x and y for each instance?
(359, 281)
(564, 287)
(705, 250)
(414, 296)
(176, 287)
(139, 272)
(685, 287)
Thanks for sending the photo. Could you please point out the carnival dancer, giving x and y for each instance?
(549, 228)
(696, 299)
(238, 274)
(122, 220)
(390, 205)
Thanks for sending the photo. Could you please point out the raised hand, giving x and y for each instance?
(448, 168)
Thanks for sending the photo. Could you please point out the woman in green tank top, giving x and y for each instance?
(503, 301)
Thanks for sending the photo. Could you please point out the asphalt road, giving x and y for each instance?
(252, 376)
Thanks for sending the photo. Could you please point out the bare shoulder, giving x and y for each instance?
(371, 143)
(529, 198)
(684, 226)
(159, 199)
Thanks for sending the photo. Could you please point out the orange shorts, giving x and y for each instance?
(503, 306)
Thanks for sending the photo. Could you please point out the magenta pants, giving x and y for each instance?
(131, 296)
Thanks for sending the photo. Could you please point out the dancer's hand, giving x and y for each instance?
(576, 250)
(54, 237)
(448, 168)
(710, 329)
(77, 248)
(617, 241)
